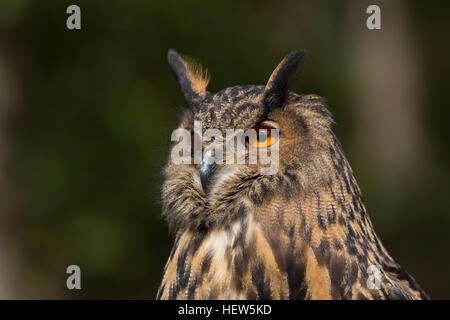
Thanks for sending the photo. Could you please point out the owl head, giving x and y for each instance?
(204, 193)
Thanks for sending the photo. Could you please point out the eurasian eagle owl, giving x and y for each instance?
(299, 233)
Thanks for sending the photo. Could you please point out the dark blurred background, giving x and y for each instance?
(86, 117)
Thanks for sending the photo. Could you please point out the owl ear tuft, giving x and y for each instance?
(191, 77)
(278, 85)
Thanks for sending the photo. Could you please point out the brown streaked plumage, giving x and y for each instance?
(302, 233)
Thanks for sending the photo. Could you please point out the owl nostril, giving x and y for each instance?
(207, 170)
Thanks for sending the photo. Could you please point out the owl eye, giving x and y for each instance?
(264, 137)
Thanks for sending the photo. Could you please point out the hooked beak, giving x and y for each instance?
(207, 169)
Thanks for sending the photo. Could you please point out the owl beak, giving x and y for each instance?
(207, 169)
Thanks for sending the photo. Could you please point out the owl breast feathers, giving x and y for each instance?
(300, 233)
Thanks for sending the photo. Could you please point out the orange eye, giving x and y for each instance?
(264, 137)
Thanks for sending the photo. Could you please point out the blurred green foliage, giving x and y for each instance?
(100, 103)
